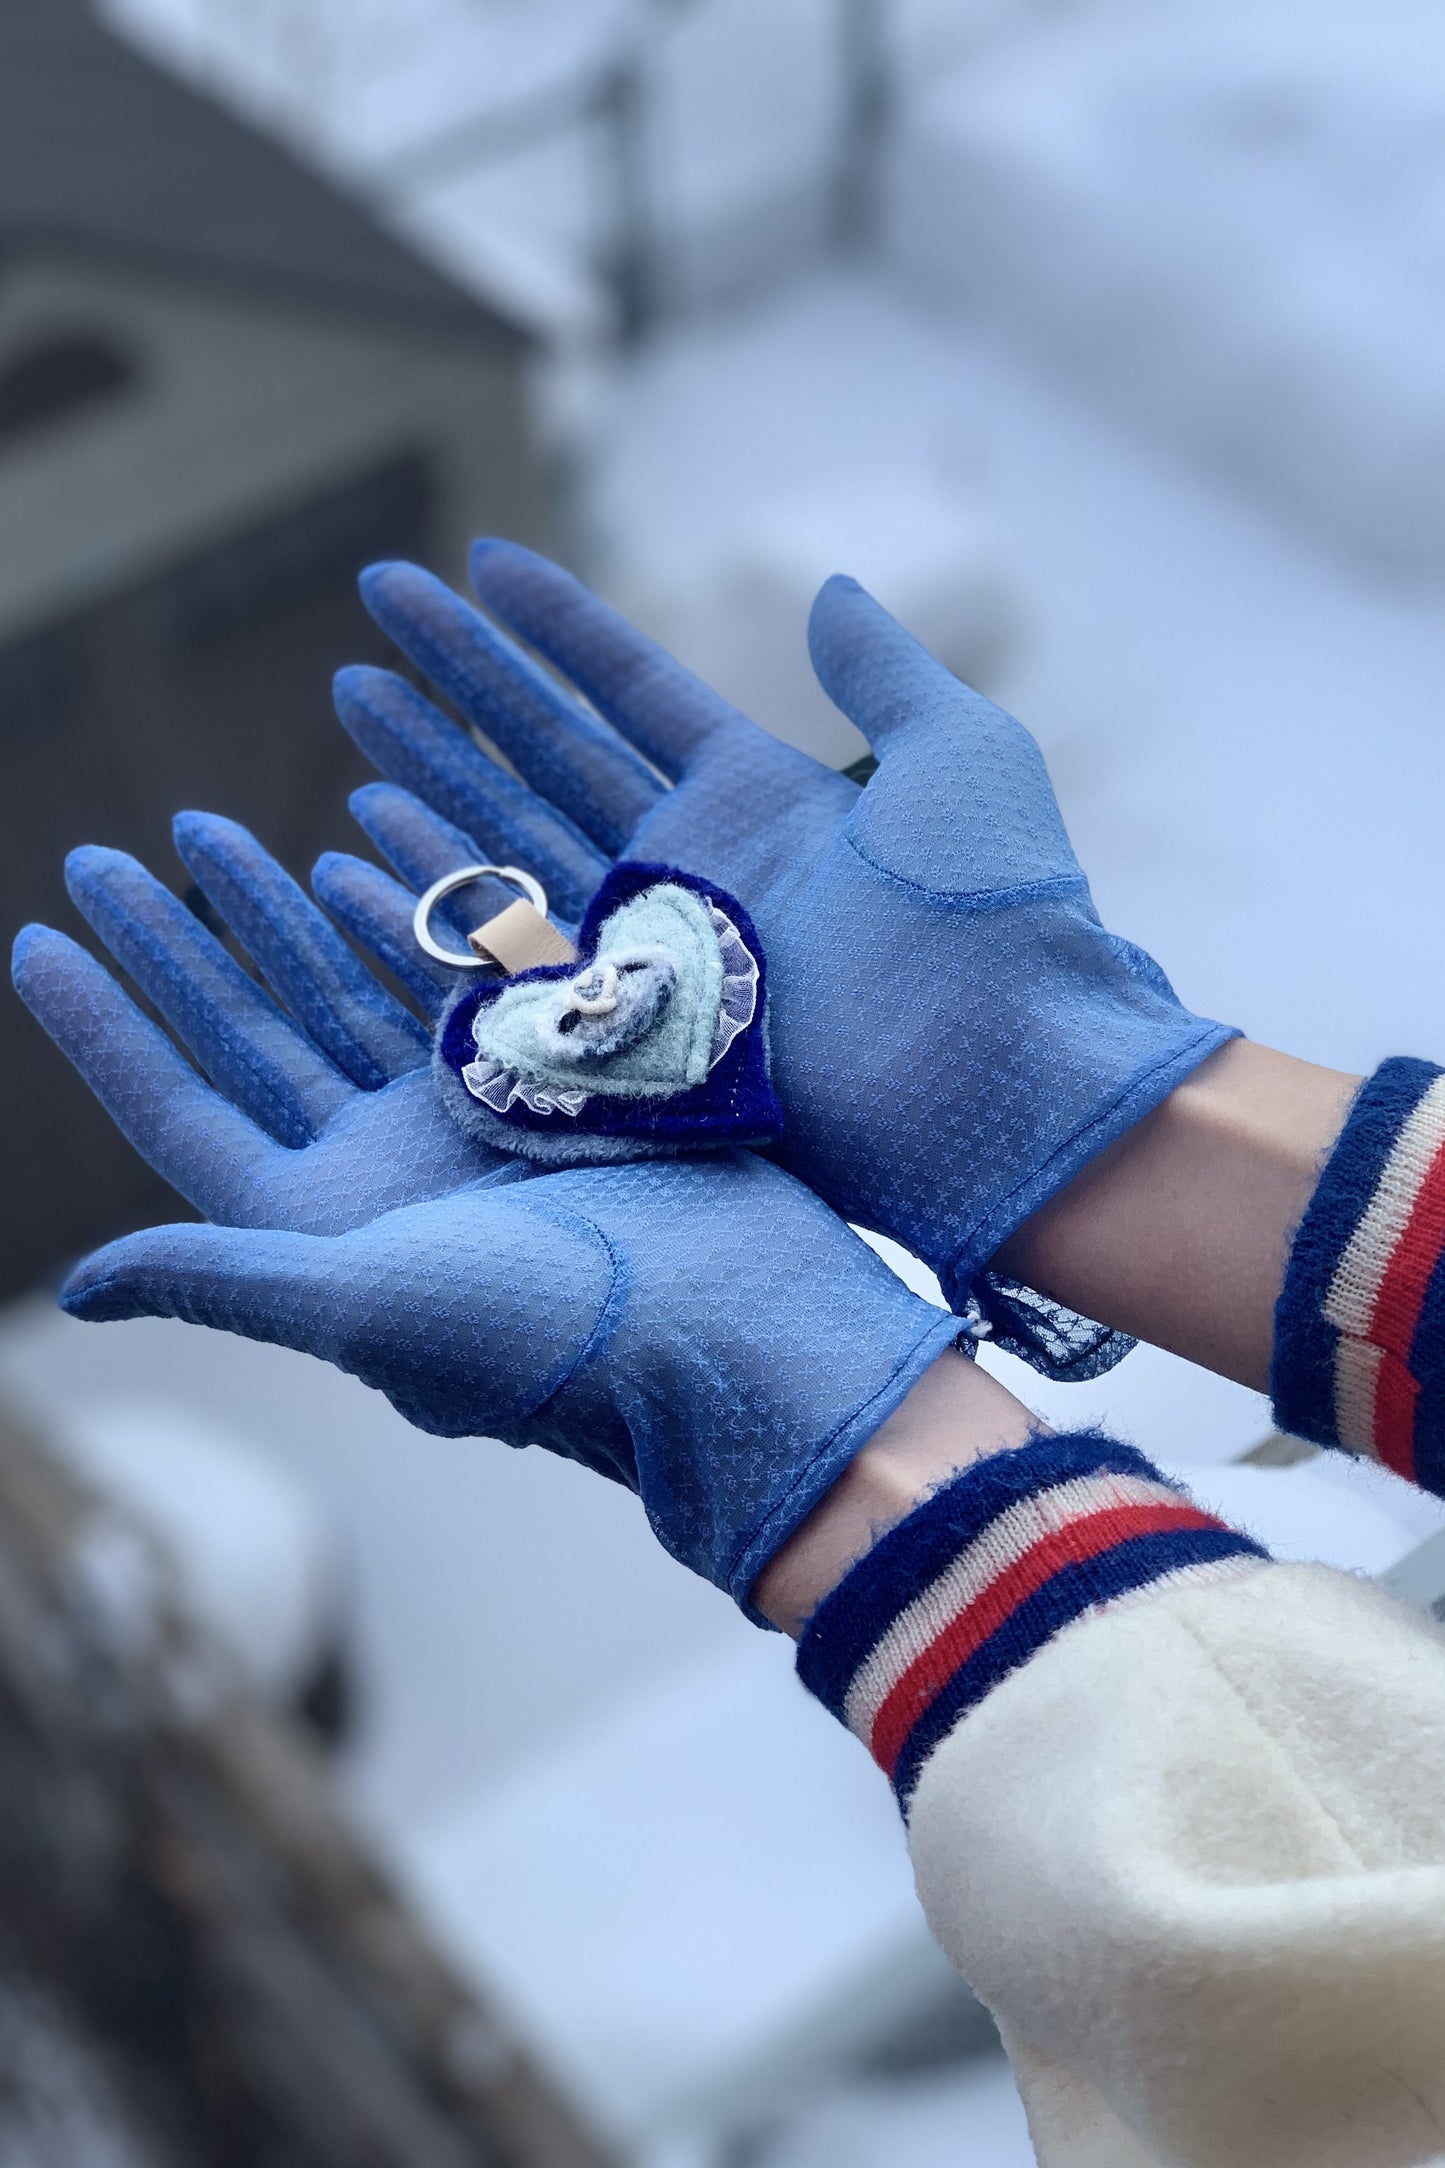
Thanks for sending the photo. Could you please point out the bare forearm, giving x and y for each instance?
(1180, 1232)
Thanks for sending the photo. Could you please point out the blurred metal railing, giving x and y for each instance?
(617, 99)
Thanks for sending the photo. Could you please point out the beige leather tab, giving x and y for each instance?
(520, 939)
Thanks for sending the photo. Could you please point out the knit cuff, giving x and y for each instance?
(986, 1571)
(1359, 1342)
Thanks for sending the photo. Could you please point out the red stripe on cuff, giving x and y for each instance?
(1406, 1277)
(1396, 1394)
(1395, 1316)
(1072, 1545)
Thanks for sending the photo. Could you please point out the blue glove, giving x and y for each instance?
(705, 1332)
(954, 1035)
(319, 1118)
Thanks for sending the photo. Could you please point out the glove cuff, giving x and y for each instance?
(1361, 1316)
(985, 1572)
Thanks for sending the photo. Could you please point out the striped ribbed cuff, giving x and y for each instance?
(1359, 1348)
(986, 1571)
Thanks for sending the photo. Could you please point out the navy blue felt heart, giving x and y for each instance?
(545, 1112)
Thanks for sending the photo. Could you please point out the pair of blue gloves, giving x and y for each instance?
(953, 1037)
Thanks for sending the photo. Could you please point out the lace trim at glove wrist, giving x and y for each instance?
(1057, 1342)
(1360, 1322)
(984, 1573)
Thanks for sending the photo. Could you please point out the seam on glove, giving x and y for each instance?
(613, 1303)
(976, 899)
(984, 1573)
(1360, 1322)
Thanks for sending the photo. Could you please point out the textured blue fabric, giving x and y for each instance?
(1302, 1373)
(279, 1137)
(334, 998)
(573, 759)
(704, 1331)
(954, 1035)
(422, 847)
(376, 911)
(420, 748)
(732, 1104)
(707, 1333)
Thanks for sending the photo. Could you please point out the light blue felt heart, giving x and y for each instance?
(520, 1030)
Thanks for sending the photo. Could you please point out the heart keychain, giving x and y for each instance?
(647, 1038)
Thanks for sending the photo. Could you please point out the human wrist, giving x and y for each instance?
(1179, 1232)
(954, 1415)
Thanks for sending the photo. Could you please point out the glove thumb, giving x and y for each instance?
(263, 1284)
(468, 1312)
(962, 803)
(879, 675)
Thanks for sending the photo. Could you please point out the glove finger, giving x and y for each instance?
(576, 762)
(422, 848)
(368, 1034)
(662, 708)
(881, 677)
(377, 912)
(249, 1049)
(196, 1140)
(415, 745)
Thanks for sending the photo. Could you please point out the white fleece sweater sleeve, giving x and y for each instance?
(1192, 1855)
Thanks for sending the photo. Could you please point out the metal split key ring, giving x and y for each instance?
(466, 959)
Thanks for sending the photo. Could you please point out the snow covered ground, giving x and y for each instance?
(967, 2117)
(1229, 222)
(739, 460)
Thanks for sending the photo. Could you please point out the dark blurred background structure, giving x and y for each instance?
(198, 1963)
(222, 390)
